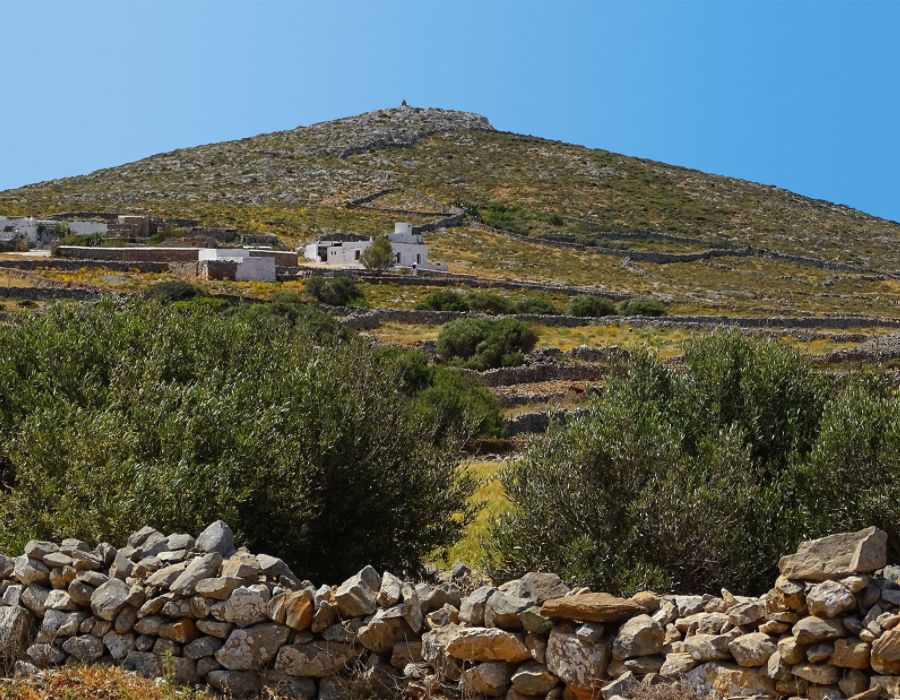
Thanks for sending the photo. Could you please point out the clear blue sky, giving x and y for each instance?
(805, 95)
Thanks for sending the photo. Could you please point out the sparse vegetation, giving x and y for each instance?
(640, 306)
(336, 291)
(590, 305)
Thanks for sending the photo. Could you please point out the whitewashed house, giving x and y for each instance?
(40, 232)
(409, 250)
(235, 263)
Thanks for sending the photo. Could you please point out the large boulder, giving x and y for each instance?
(639, 636)
(358, 595)
(727, 680)
(17, 627)
(837, 556)
(489, 678)
(202, 567)
(886, 653)
(591, 607)
(533, 678)
(829, 599)
(537, 586)
(109, 599)
(314, 660)
(251, 648)
(485, 644)
(579, 664)
(218, 537)
(753, 649)
(812, 630)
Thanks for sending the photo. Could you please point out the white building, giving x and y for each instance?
(409, 250)
(247, 266)
(41, 232)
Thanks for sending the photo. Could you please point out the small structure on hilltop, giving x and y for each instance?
(345, 250)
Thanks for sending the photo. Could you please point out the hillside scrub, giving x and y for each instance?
(313, 446)
(697, 479)
(484, 343)
(379, 255)
(590, 305)
(337, 291)
(641, 306)
(443, 300)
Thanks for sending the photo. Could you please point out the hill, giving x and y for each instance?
(300, 182)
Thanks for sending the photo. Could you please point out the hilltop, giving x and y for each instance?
(416, 161)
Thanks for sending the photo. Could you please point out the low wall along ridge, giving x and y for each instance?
(214, 614)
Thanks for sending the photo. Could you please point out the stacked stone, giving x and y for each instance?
(205, 612)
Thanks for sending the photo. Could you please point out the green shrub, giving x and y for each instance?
(641, 306)
(171, 290)
(307, 442)
(489, 303)
(443, 300)
(590, 305)
(379, 255)
(483, 343)
(532, 304)
(336, 291)
(696, 478)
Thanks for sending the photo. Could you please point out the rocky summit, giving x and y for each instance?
(236, 621)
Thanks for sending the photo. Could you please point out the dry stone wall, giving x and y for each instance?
(210, 613)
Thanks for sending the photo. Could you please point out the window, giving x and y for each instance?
(356, 255)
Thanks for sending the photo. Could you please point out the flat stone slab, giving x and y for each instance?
(837, 556)
(591, 607)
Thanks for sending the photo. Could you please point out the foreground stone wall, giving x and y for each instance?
(209, 613)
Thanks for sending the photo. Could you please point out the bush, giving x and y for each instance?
(489, 303)
(443, 300)
(337, 291)
(590, 305)
(640, 306)
(483, 343)
(531, 304)
(307, 442)
(699, 478)
(379, 255)
(171, 290)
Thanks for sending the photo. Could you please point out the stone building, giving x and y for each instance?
(408, 247)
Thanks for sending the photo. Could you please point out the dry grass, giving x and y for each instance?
(95, 683)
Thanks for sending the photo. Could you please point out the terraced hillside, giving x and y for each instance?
(361, 173)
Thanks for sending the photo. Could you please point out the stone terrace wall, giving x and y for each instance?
(237, 621)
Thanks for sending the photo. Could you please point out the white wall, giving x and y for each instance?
(257, 269)
(223, 254)
(83, 228)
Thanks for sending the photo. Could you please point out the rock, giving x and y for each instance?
(708, 647)
(203, 567)
(639, 636)
(38, 549)
(748, 613)
(218, 588)
(357, 596)
(819, 652)
(166, 576)
(17, 627)
(251, 648)
(235, 684)
(777, 669)
(143, 663)
(575, 663)
(314, 660)
(854, 682)
(34, 597)
(502, 610)
(533, 621)
(677, 664)
(242, 565)
(246, 606)
(85, 648)
(591, 607)
(119, 645)
(726, 680)
(44, 655)
(109, 598)
(820, 674)
(532, 678)
(484, 644)
(383, 630)
(28, 571)
(829, 599)
(282, 685)
(405, 653)
(537, 587)
(299, 608)
(214, 628)
(471, 609)
(648, 600)
(57, 623)
(490, 678)
(887, 686)
(218, 537)
(181, 631)
(389, 592)
(837, 556)
(202, 646)
(851, 653)
(885, 656)
(811, 630)
(125, 620)
(752, 649)
(60, 600)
